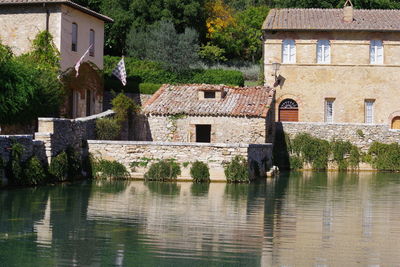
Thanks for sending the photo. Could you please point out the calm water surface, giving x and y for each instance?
(307, 219)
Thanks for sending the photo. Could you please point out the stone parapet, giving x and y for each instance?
(215, 155)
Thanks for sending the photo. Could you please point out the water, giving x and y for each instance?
(307, 219)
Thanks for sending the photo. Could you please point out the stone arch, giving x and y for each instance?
(83, 94)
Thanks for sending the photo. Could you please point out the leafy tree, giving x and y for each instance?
(364, 4)
(164, 44)
(212, 54)
(29, 86)
(220, 16)
(241, 38)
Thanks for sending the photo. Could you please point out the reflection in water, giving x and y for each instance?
(301, 219)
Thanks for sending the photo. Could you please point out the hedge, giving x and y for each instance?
(144, 71)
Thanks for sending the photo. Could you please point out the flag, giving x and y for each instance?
(120, 71)
(78, 64)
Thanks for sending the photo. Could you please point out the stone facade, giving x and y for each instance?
(215, 155)
(361, 135)
(349, 79)
(19, 25)
(223, 129)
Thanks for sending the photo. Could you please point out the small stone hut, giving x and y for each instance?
(208, 114)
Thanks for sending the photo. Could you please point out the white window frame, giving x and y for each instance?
(329, 110)
(92, 42)
(74, 37)
(376, 52)
(288, 51)
(323, 52)
(369, 111)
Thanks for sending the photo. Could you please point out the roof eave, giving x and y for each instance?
(325, 30)
(68, 3)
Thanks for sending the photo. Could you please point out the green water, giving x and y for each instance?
(307, 219)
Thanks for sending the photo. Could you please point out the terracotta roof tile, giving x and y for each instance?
(65, 2)
(332, 19)
(183, 99)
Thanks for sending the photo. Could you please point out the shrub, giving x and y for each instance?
(107, 129)
(14, 168)
(296, 163)
(339, 150)
(123, 106)
(218, 76)
(200, 172)
(33, 172)
(59, 167)
(149, 88)
(236, 171)
(385, 157)
(74, 163)
(164, 170)
(107, 169)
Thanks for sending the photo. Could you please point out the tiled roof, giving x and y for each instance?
(65, 2)
(184, 99)
(332, 19)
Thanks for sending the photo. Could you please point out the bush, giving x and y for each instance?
(144, 71)
(107, 129)
(385, 157)
(107, 169)
(200, 172)
(218, 76)
(59, 167)
(14, 170)
(33, 172)
(237, 171)
(123, 107)
(296, 163)
(149, 88)
(164, 170)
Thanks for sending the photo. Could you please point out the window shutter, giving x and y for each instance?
(379, 52)
(327, 52)
(285, 51)
(292, 52)
(372, 52)
(319, 52)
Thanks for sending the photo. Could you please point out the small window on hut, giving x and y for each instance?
(209, 94)
(203, 133)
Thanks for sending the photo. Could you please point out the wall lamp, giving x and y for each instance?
(275, 67)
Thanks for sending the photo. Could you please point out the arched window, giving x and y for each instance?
(91, 42)
(74, 43)
(288, 110)
(396, 123)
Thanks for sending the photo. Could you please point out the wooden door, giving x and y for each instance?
(396, 123)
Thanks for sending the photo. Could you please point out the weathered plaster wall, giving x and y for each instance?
(361, 135)
(215, 155)
(223, 129)
(19, 25)
(85, 22)
(350, 78)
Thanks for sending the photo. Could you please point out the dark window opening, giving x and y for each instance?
(74, 45)
(203, 133)
(88, 102)
(92, 43)
(209, 94)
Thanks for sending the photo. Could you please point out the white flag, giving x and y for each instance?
(78, 64)
(120, 71)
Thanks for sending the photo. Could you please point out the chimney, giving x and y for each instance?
(348, 11)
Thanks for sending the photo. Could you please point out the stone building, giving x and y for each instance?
(334, 65)
(209, 114)
(74, 28)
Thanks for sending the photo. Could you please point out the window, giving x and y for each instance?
(288, 51)
(91, 43)
(208, 94)
(369, 111)
(376, 52)
(74, 37)
(323, 52)
(203, 133)
(329, 110)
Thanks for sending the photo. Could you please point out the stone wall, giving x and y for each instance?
(223, 129)
(215, 155)
(57, 134)
(361, 135)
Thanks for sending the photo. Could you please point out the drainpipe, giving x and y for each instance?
(47, 16)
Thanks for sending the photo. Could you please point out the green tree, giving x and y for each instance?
(176, 51)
